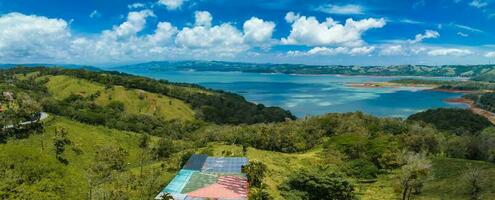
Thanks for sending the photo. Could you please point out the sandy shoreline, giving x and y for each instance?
(472, 106)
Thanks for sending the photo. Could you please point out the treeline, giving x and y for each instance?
(485, 101)
(366, 139)
(421, 81)
(449, 85)
(210, 105)
(463, 134)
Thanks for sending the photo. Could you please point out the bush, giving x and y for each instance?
(317, 184)
(361, 169)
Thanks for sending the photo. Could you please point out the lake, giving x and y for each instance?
(307, 95)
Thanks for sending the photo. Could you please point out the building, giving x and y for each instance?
(204, 177)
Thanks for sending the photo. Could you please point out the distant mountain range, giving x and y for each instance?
(66, 66)
(477, 72)
(392, 70)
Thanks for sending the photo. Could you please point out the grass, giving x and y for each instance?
(81, 152)
(135, 101)
(446, 181)
(280, 165)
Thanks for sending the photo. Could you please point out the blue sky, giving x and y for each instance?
(374, 32)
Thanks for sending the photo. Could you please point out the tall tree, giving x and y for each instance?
(413, 174)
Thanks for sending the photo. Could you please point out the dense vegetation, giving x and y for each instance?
(469, 85)
(394, 70)
(121, 152)
(456, 121)
(485, 101)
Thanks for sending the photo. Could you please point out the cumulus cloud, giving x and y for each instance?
(134, 24)
(490, 54)
(428, 34)
(172, 4)
(40, 39)
(392, 50)
(257, 31)
(325, 51)
(349, 9)
(203, 18)
(449, 52)
(32, 37)
(309, 31)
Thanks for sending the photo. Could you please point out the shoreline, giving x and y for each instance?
(399, 85)
(473, 107)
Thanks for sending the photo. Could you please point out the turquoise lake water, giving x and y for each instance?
(314, 95)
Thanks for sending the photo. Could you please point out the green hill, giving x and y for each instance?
(30, 170)
(135, 101)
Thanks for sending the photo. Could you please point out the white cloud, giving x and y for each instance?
(136, 5)
(27, 37)
(203, 18)
(449, 52)
(95, 14)
(428, 34)
(164, 34)
(223, 38)
(40, 39)
(172, 4)
(392, 50)
(134, 24)
(462, 34)
(490, 54)
(325, 51)
(478, 3)
(309, 31)
(257, 31)
(349, 9)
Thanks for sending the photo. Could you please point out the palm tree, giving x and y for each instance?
(166, 196)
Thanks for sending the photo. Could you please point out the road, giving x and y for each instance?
(43, 116)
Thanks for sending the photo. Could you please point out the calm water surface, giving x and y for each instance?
(314, 95)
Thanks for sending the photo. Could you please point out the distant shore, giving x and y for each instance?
(429, 87)
(388, 85)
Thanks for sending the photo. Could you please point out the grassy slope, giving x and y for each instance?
(446, 181)
(280, 165)
(136, 101)
(85, 138)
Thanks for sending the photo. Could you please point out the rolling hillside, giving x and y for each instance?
(135, 101)
(35, 173)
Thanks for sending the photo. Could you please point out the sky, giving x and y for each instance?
(364, 32)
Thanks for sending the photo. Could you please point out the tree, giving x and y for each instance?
(413, 174)
(259, 193)
(317, 184)
(255, 172)
(59, 142)
(165, 148)
(474, 180)
(143, 144)
(166, 196)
